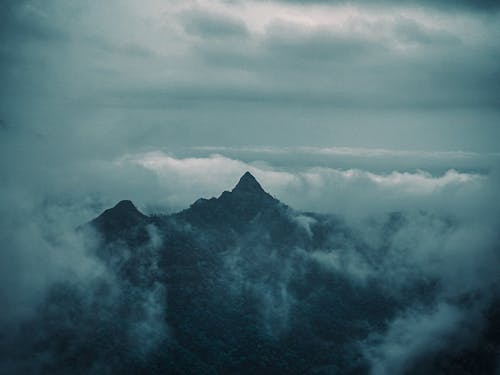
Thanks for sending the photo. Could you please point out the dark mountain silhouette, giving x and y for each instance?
(232, 209)
(122, 216)
(122, 221)
(249, 185)
(233, 285)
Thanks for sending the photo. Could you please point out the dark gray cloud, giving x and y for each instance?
(410, 31)
(22, 22)
(481, 5)
(209, 25)
(271, 70)
(284, 44)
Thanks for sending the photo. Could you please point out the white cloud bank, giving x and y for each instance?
(347, 192)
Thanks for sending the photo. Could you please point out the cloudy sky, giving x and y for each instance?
(165, 74)
(162, 102)
(123, 97)
(382, 86)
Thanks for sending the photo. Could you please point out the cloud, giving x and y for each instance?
(206, 24)
(482, 6)
(412, 336)
(256, 269)
(52, 278)
(305, 222)
(131, 77)
(346, 261)
(410, 31)
(445, 233)
(24, 21)
(285, 42)
(39, 247)
(311, 188)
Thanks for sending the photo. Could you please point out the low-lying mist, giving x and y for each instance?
(395, 272)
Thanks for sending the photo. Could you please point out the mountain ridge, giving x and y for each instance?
(247, 190)
(239, 284)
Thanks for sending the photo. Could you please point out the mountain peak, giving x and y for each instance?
(248, 183)
(125, 203)
(123, 220)
(122, 209)
(235, 208)
(125, 206)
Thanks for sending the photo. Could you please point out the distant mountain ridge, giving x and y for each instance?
(249, 240)
(238, 284)
(234, 208)
(247, 194)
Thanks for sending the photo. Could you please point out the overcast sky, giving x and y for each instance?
(126, 99)
(163, 74)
